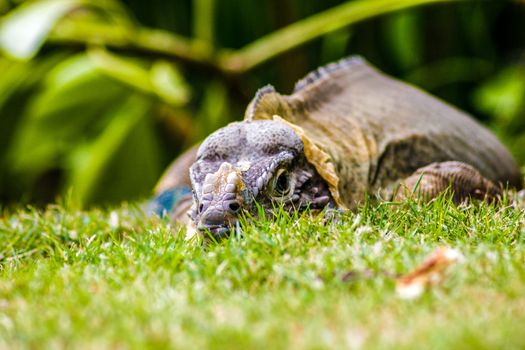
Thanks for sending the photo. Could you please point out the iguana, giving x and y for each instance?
(346, 131)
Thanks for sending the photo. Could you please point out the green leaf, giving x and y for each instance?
(404, 39)
(133, 169)
(73, 85)
(335, 44)
(125, 70)
(24, 30)
(169, 84)
(89, 162)
(70, 109)
(214, 108)
(503, 95)
(163, 80)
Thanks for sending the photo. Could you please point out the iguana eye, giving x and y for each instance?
(282, 183)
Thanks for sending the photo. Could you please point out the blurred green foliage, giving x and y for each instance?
(96, 97)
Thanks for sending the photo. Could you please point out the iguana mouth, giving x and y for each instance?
(217, 232)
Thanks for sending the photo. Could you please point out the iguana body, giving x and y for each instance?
(347, 130)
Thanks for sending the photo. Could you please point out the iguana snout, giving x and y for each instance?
(221, 200)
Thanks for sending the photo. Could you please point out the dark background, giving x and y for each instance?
(96, 107)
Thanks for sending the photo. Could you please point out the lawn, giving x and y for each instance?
(116, 279)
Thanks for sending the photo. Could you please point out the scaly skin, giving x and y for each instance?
(346, 131)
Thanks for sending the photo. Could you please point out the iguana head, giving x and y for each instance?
(259, 161)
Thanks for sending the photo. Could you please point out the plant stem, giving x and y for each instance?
(153, 41)
(233, 62)
(311, 28)
(203, 20)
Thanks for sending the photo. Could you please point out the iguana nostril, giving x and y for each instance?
(234, 207)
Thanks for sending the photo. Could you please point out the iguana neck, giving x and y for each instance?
(350, 150)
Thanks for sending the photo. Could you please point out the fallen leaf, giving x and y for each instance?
(430, 272)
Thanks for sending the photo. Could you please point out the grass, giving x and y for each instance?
(116, 279)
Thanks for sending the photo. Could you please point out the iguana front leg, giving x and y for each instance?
(461, 179)
(173, 195)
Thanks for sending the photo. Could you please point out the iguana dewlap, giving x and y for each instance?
(347, 130)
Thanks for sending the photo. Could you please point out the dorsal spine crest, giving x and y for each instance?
(327, 70)
(255, 102)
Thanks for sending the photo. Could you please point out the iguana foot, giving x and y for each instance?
(173, 203)
(461, 179)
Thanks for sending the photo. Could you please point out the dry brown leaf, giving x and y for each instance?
(430, 272)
